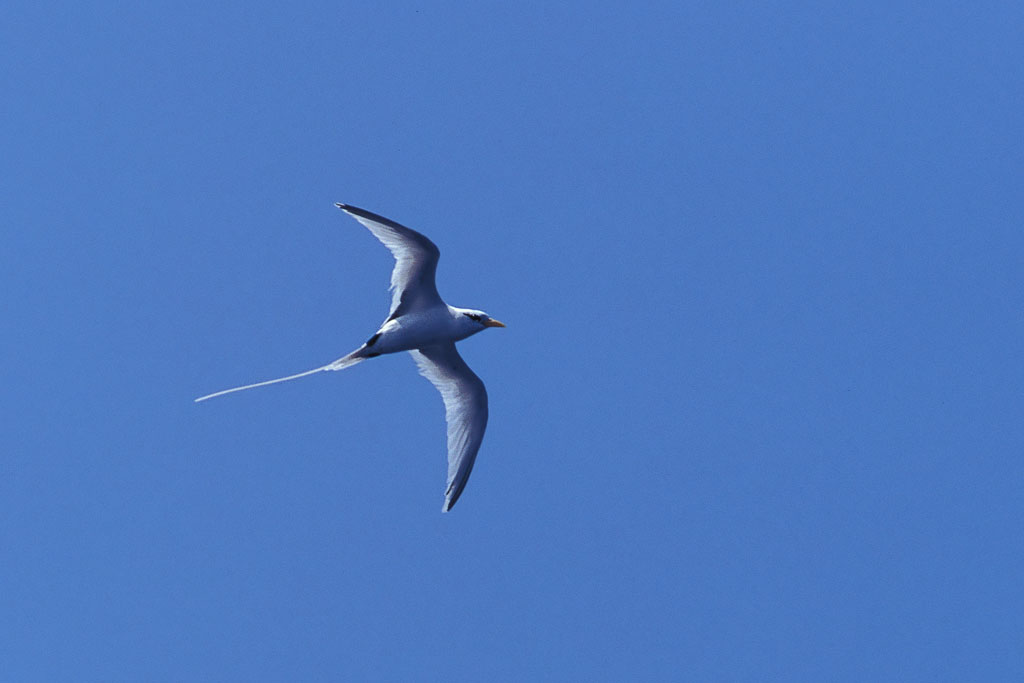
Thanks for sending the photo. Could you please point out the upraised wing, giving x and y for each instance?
(465, 405)
(412, 281)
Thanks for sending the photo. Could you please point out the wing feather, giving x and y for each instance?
(413, 286)
(465, 404)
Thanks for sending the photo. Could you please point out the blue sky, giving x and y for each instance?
(757, 413)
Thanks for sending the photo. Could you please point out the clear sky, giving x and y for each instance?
(757, 413)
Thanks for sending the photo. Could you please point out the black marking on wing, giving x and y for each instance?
(372, 340)
(378, 218)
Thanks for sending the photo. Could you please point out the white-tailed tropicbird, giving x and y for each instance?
(425, 326)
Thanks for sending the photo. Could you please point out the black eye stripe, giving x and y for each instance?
(472, 316)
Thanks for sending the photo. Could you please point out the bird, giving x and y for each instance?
(421, 323)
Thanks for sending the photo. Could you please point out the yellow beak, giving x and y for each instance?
(491, 322)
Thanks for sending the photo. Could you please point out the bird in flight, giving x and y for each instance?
(425, 326)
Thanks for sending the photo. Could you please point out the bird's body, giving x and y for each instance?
(421, 328)
(424, 325)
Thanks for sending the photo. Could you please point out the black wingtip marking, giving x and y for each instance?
(454, 497)
(369, 215)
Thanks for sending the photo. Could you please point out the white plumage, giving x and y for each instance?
(465, 409)
(421, 323)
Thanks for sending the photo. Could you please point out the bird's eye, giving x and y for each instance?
(473, 316)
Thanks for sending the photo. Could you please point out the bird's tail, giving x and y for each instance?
(340, 364)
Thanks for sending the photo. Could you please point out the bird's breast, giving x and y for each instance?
(416, 330)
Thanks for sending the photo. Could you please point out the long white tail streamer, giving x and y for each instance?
(339, 364)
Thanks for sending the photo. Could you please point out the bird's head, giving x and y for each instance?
(476, 321)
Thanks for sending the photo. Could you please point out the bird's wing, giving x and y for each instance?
(465, 405)
(412, 280)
